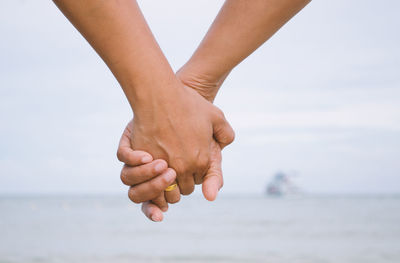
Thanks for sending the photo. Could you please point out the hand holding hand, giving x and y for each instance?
(139, 163)
(148, 178)
(180, 129)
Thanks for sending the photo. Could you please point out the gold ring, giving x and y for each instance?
(171, 187)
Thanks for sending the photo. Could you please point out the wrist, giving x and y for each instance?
(153, 99)
(148, 88)
(205, 82)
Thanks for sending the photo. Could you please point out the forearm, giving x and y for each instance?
(239, 29)
(119, 33)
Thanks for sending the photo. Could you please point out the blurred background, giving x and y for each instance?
(319, 101)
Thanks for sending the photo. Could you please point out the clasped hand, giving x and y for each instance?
(179, 139)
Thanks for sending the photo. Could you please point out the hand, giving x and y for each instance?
(133, 168)
(140, 171)
(149, 177)
(180, 128)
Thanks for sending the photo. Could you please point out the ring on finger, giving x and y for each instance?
(171, 187)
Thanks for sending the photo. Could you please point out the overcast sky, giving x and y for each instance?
(321, 98)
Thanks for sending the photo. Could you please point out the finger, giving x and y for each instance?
(132, 157)
(125, 152)
(161, 202)
(173, 196)
(223, 132)
(151, 189)
(213, 180)
(211, 186)
(142, 173)
(186, 183)
(152, 211)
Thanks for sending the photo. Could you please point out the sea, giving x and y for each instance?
(234, 228)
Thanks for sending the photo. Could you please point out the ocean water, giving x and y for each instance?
(232, 229)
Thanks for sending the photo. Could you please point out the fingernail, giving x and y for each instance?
(160, 167)
(170, 175)
(155, 218)
(146, 159)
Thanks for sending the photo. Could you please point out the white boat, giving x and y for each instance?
(281, 185)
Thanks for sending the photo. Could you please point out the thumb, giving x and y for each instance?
(213, 180)
(223, 132)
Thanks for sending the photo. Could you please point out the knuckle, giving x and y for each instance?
(120, 154)
(231, 137)
(227, 137)
(219, 112)
(133, 196)
(123, 176)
